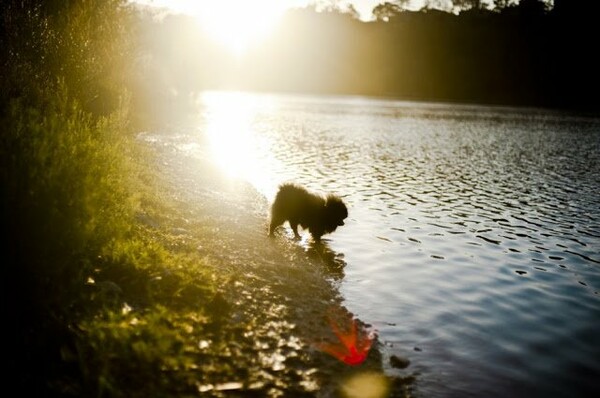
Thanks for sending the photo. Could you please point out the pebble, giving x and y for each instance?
(399, 362)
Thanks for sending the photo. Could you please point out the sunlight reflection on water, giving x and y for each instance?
(236, 147)
(472, 243)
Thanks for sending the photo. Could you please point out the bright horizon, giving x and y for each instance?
(253, 21)
(239, 24)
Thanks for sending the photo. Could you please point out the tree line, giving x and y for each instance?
(526, 53)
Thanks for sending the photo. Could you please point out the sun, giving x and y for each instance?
(238, 24)
(235, 24)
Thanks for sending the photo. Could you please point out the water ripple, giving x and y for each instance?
(473, 231)
(461, 209)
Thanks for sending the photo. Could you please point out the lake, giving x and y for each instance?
(473, 241)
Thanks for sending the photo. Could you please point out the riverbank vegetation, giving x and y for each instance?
(79, 268)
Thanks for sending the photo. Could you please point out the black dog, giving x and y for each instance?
(320, 215)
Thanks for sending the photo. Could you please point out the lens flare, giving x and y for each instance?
(366, 385)
(353, 344)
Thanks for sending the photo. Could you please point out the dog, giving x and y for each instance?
(318, 214)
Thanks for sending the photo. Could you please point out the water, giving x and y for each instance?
(473, 241)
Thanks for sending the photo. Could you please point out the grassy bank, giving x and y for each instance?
(90, 294)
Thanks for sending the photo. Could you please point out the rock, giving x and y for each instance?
(399, 362)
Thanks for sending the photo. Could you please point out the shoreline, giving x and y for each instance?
(278, 293)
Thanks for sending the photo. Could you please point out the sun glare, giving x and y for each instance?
(236, 146)
(239, 24)
(236, 24)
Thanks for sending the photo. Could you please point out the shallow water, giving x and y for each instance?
(473, 241)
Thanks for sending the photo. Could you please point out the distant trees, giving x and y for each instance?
(519, 53)
(532, 7)
(500, 4)
(387, 10)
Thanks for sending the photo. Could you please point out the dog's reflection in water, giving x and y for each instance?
(332, 261)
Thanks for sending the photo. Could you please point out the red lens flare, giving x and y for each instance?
(353, 343)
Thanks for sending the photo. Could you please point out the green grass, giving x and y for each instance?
(96, 302)
(105, 305)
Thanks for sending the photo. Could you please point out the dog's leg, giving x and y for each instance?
(316, 234)
(275, 222)
(294, 226)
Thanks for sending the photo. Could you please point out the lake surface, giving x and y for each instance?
(473, 241)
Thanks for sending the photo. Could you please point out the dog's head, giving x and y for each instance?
(335, 212)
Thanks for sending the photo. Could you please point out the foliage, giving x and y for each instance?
(81, 45)
(65, 168)
(72, 184)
